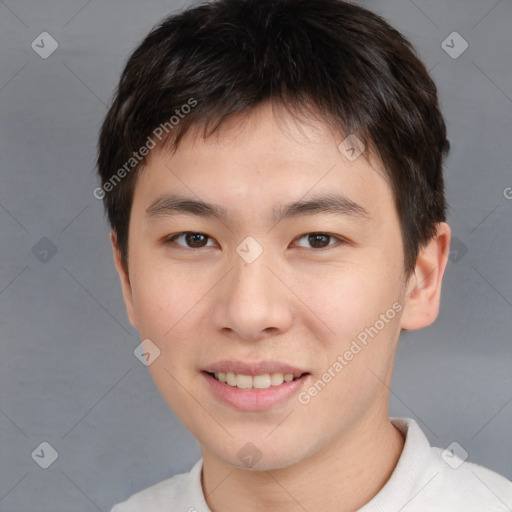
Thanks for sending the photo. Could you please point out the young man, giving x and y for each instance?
(272, 172)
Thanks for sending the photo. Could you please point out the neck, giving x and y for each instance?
(342, 477)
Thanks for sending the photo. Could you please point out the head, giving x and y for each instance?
(312, 128)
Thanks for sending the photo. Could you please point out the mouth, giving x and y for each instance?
(254, 387)
(263, 381)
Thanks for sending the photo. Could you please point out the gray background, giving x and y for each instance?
(68, 375)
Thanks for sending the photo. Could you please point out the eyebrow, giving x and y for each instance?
(170, 205)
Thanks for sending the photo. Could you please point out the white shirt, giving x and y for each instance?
(425, 479)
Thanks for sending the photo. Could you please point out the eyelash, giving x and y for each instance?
(183, 233)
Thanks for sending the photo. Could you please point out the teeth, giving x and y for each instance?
(244, 381)
(261, 381)
(257, 382)
(276, 379)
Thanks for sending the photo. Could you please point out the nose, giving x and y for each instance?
(253, 303)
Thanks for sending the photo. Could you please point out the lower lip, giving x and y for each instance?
(254, 399)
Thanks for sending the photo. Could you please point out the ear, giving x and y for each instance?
(423, 289)
(125, 280)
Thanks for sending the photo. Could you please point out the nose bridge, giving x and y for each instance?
(251, 274)
(252, 281)
(253, 299)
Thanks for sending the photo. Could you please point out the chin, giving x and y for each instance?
(261, 454)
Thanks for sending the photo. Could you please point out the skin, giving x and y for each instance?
(298, 303)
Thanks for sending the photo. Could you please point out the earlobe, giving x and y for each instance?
(423, 292)
(125, 280)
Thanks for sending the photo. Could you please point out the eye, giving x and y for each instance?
(193, 240)
(197, 240)
(319, 240)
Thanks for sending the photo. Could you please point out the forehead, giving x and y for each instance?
(264, 160)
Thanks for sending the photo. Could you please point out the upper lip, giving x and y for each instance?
(253, 368)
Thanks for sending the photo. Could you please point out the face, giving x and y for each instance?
(259, 255)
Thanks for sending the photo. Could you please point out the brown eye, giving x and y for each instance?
(192, 240)
(318, 240)
(195, 239)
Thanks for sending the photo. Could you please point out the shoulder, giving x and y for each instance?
(456, 484)
(437, 479)
(181, 491)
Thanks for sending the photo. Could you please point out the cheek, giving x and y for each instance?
(162, 299)
(362, 311)
(364, 314)
(347, 300)
(172, 307)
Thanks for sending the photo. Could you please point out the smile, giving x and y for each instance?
(256, 390)
(263, 381)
